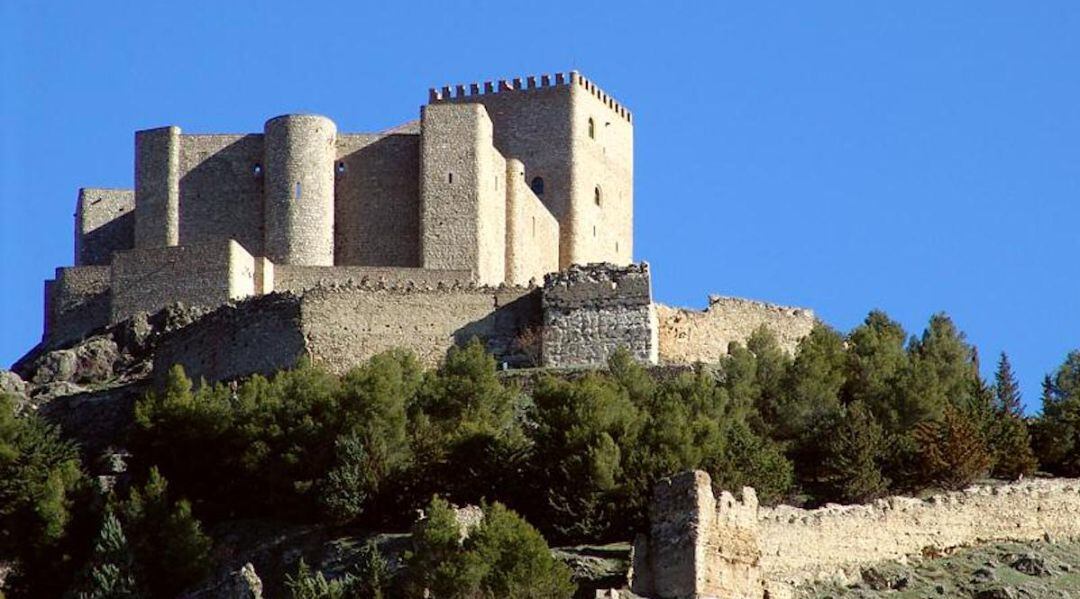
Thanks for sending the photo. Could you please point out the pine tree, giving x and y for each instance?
(853, 456)
(111, 569)
(1006, 389)
(953, 450)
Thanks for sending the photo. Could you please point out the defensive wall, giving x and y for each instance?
(703, 546)
(688, 335)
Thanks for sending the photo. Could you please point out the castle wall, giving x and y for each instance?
(604, 161)
(463, 193)
(300, 153)
(532, 233)
(157, 187)
(688, 336)
(289, 277)
(377, 191)
(344, 327)
(76, 302)
(208, 274)
(104, 223)
(591, 311)
(694, 539)
(259, 336)
(221, 190)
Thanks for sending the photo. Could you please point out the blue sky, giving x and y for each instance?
(843, 156)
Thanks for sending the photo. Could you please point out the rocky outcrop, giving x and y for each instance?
(238, 584)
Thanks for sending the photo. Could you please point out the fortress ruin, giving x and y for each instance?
(505, 211)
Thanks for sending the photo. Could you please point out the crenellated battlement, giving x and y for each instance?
(466, 92)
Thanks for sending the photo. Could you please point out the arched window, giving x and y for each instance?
(597, 195)
(537, 185)
(592, 128)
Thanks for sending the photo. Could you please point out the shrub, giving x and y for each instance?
(502, 557)
(853, 463)
(110, 571)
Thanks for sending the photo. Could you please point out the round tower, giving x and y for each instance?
(299, 189)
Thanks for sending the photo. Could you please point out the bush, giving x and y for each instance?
(110, 571)
(502, 557)
(853, 462)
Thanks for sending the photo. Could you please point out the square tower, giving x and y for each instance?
(576, 143)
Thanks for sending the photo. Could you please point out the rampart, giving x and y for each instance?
(688, 336)
(699, 546)
(589, 312)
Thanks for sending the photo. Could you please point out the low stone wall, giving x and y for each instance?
(345, 326)
(699, 546)
(290, 277)
(688, 336)
(590, 311)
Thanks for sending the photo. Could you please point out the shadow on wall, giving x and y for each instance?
(221, 196)
(377, 203)
(504, 330)
(102, 241)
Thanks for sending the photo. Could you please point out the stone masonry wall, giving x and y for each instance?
(590, 311)
(377, 200)
(532, 233)
(688, 336)
(345, 326)
(76, 302)
(744, 550)
(209, 274)
(289, 277)
(221, 190)
(104, 223)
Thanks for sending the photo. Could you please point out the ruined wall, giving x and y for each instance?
(377, 200)
(157, 187)
(345, 326)
(208, 274)
(688, 336)
(288, 277)
(76, 302)
(590, 311)
(463, 193)
(532, 233)
(260, 335)
(799, 545)
(601, 186)
(744, 550)
(699, 546)
(221, 190)
(104, 223)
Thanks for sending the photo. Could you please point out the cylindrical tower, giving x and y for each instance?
(299, 189)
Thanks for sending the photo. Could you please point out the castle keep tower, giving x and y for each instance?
(299, 189)
(576, 143)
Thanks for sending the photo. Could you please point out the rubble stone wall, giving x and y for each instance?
(688, 336)
(591, 311)
(76, 302)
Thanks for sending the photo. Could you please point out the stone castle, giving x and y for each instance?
(421, 236)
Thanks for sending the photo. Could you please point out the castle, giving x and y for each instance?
(496, 188)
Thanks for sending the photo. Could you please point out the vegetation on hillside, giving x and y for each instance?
(846, 418)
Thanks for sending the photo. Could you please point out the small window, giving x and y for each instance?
(297, 190)
(592, 128)
(257, 169)
(341, 168)
(594, 230)
(534, 226)
(537, 186)
(450, 177)
(597, 195)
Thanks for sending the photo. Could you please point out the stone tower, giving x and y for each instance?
(299, 189)
(576, 143)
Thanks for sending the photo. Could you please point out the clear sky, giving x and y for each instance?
(843, 156)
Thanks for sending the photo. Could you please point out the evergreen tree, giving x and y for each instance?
(1007, 398)
(855, 448)
(110, 571)
(1010, 442)
(1057, 430)
(953, 450)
